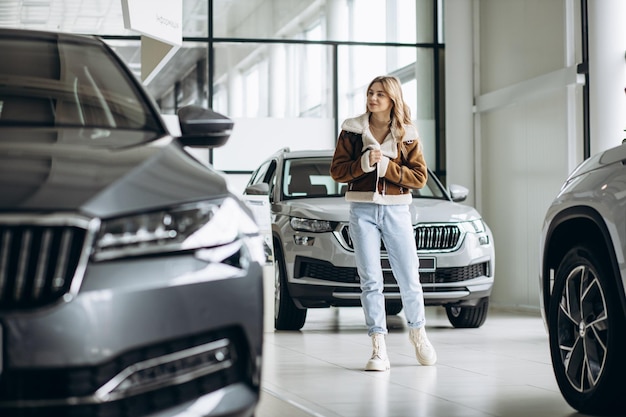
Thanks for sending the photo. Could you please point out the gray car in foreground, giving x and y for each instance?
(314, 256)
(130, 277)
(582, 280)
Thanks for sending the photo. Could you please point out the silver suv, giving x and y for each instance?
(582, 278)
(314, 257)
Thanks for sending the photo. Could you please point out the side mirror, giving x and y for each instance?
(201, 127)
(261, 188)
(458, 192)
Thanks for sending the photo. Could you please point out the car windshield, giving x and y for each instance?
(60, 83)
(310, 178)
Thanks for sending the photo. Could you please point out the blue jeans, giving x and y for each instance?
(369, 223)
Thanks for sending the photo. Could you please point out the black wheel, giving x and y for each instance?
(393, 307)
(286, 315)
(468, 317)
(586, 328)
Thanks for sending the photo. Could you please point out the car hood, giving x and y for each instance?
(423, 210)
(599, 160)
(62, 171)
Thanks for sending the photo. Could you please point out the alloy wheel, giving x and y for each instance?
(582, 326)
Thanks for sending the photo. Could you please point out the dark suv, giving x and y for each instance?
(314, 256)
(582, 279)
(130, 277)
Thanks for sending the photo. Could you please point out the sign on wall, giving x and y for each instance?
(158, 19)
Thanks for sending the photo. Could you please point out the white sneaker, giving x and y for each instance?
(424, 350)
(379, 360)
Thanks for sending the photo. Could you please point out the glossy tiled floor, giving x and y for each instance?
(500, 369)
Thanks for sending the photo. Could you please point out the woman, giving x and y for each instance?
(380, 156)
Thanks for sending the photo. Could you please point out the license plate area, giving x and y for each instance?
(427, 264)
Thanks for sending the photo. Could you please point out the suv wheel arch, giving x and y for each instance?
(590, 230)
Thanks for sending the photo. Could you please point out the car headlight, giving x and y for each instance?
(188, 227)
(313, 226)
(474, 226)
(477, 227)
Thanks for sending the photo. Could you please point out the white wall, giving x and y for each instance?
(518, 151)
(516, 61)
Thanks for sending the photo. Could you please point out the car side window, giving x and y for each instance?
(272, 183)
(432, 189)
(259, 175)
(266, 173)
(306, 178)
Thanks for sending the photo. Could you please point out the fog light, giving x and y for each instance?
(303, 240)
(483, 240)
(171, 369)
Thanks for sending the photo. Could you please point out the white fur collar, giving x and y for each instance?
(360, 125)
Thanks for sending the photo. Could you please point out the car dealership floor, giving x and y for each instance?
(500, 369)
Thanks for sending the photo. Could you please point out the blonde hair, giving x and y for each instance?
(400, 111)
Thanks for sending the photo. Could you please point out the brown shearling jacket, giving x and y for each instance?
(389, 182)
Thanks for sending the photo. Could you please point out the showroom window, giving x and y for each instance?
(286, 71)
(319, 57)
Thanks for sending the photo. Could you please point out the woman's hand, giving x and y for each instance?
(375, 156)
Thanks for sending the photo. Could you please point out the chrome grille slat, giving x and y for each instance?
(42, 264)
(59, 274)
(4, 260)
(38, 262)
(22, 264)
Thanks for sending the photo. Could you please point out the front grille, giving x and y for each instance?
(37, 263)
(437, 237)
(428, 237)
(314, 268)
(21, 387)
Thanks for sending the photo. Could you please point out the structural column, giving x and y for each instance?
(607, 73)
(459, 74)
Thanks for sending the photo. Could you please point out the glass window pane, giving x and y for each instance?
(268, 19)
(358, 65)
(368, 20)
(339, 20)
(94, 17)
(185, 69)
(195, 18)
(272, 80)
(404, 22)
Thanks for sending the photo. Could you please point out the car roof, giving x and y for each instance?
(286, 153)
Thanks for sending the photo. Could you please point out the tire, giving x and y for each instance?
(586, 327)
(393, 307)
(464, 317)
(286, 315)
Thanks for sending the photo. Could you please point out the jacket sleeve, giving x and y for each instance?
(408, 171)
(348, 161)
